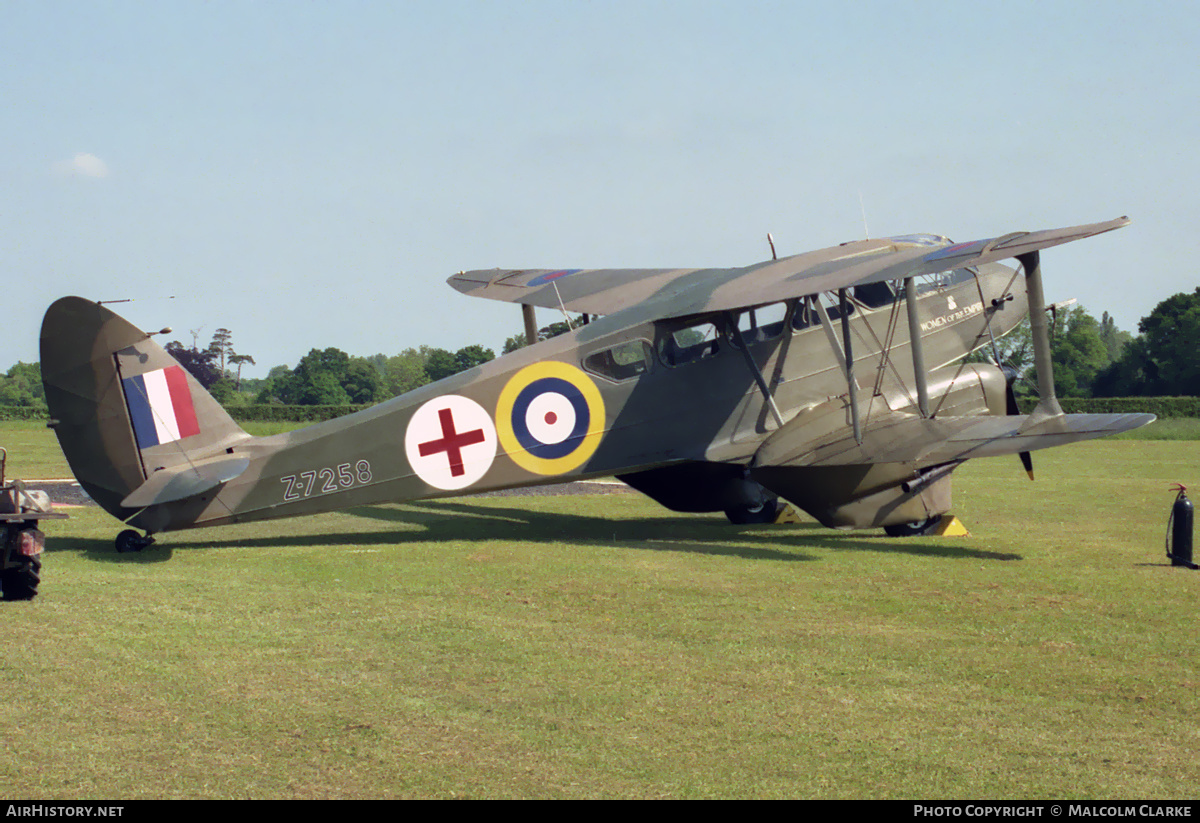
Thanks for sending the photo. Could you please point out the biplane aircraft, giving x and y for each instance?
(832, 379)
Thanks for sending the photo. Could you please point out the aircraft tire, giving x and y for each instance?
(131, 541)
(21, 582)
(915, 528)
(748, 515)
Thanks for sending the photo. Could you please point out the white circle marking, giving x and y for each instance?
(550, 418)
(450, 442)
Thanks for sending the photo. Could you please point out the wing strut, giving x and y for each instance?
(818, 308)
(753, 366)
(844, 355)
(918, 353)
(845, 308)
(531, 329)
(1048, 404)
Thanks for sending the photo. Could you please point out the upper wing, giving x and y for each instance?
(677, 292)
(591, 291)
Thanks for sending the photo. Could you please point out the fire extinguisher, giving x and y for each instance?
(1179, 530)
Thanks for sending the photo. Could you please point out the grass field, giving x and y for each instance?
(603, 647)
(34, 452)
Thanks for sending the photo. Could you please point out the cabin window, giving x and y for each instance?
(835, 311)
(874, 295)
(942, 280)
(621, 362)
(762, 323)
(806, 313)
(694, 342)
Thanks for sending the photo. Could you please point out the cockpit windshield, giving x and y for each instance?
(921, 239)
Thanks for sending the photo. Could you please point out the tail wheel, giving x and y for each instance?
(764, 512)
(131, 541)
(915, 528)
(21, 582)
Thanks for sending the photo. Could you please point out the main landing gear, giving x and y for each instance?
(762, 511)
(915, 528)
(131, 541)
(942, 525)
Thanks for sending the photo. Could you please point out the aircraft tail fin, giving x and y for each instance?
(124, 409)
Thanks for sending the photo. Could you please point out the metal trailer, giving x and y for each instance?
(23, 543)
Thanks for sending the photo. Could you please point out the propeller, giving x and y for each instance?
(1010, 377)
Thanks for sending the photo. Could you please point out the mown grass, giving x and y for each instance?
(603, 647)
(33, 452)
(1167, 428)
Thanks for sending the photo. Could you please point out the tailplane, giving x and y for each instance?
(134, 425)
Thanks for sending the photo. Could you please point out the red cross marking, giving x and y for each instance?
(452, 443)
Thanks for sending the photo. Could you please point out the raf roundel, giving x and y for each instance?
(550, 418)
(551, 276)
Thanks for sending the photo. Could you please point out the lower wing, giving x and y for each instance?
(907, 438)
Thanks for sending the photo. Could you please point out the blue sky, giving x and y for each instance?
(307, 174)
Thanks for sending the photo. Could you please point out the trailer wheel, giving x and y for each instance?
(21, 582)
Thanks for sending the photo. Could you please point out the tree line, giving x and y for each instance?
(1092, 358)
(332, 377)
(323, 377)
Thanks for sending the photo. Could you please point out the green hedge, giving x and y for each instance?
(291, 414)
(22, 413)
(1160, 406)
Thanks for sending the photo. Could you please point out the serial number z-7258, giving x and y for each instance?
(324, 481)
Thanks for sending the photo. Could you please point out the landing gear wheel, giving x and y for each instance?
(746, 515)
(131, 541)
(915, 528)
(21, 583)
